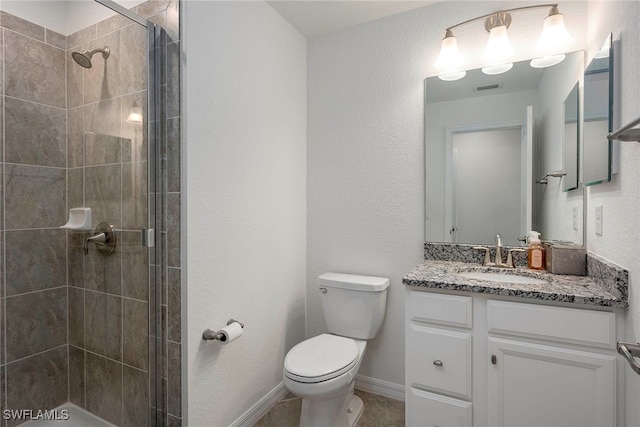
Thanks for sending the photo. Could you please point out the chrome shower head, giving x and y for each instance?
(84, 59)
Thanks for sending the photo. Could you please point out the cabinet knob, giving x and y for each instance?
(494, 359)
(437, 362)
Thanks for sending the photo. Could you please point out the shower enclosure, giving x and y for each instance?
(80, 320)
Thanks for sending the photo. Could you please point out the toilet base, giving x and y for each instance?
(354, 411)
(342, 410)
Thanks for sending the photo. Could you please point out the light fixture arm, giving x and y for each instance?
(502, 17)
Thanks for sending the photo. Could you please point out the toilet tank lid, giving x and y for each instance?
(353, 282)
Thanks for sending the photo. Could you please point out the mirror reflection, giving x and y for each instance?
(598, 115)
(487, 138)
(570, 140)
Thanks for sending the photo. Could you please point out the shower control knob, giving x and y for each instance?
(438, 363)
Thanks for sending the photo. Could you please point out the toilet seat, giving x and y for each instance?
(320, 358)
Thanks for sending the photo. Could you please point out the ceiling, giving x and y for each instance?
(316, 17)
(62, 16)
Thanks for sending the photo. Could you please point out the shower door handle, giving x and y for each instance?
(148, 237)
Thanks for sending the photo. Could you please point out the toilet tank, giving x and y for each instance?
(353, 305)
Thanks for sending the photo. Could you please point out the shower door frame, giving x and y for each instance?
(155, 196)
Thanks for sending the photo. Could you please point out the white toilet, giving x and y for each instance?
(322, 369)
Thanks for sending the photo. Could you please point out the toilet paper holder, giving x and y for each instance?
(209, 335)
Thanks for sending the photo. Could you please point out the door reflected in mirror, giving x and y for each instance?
(487, 138)
(486, 165)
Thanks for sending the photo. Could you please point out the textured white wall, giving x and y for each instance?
(366, 147)
(621, 197)
(245, 207)
(366, 168)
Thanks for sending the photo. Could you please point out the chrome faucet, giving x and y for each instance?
(498, 260)
(498, 251)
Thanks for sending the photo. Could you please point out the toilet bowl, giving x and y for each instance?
(322, 369)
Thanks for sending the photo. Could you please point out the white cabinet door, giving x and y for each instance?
(532, 385)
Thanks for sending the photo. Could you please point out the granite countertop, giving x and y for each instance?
(588, 290)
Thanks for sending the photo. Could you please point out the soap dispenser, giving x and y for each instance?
(535, 251)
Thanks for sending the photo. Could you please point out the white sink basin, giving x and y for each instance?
(503, 278)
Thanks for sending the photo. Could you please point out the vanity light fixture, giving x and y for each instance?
(499, 51)
(135, 116)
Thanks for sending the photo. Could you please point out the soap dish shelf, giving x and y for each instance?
(79, 219)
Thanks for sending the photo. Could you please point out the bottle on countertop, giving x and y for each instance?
(535, 252)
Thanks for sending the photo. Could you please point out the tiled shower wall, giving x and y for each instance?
(34, 344)
(78, 150)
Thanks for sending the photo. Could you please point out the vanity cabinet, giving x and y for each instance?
(438, 364)
(488, 362)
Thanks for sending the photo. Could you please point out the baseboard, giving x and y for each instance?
(263, 406)
(370, 385)
(380, 387)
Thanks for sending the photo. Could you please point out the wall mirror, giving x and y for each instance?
(570, 140)
(598, 116)
(487, 139)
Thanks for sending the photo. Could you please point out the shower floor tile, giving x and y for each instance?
(78, 417)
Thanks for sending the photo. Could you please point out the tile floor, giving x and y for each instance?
(378, 412)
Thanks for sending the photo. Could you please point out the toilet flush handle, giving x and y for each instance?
(323, 290)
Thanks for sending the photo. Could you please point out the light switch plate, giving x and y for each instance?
(598, 220)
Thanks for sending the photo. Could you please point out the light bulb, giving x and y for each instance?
(135, 115)
(547, 61)
(555, 36)
(499, 48)
(452, 76)
(449, 57)
(492, 70)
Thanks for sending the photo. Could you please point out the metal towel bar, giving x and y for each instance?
(627, 132)
(554, 174)
(630, 351)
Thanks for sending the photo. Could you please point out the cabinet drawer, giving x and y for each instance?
(439, 360)
(433, 410)
(450, 310)
(570, 325)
